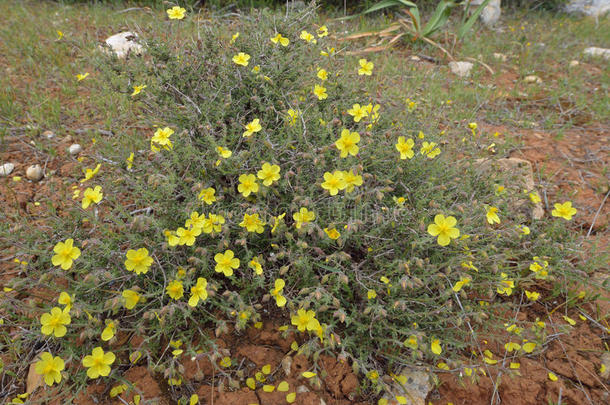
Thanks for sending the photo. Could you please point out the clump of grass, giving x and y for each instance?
(381, 285)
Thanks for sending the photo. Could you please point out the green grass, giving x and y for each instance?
(194, 88)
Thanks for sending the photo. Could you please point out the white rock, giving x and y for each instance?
(416, 388)
(75, 149)
(6, 169)
(461, 69)
(500, 56)
(532, 79)
(123, 44)
(574, 63)
(301, 389)
(48, 134)
(415, 58)
(490, 14)
(34, 173)
(594, 8)
(597, 52)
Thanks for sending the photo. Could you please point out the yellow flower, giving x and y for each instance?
(176, 13)
(226, 262)
(207, 195)
(241, 59)
(358, 112)
(60, 35)
(435, 347)
(89, 173)
(54, 322)
(175, 289)
(506, 286)
(292, 116)
(460, 284)
(322, 74)
(332, 233)
(213, 223)
(198, 292)
(552, 376)
(540, 268)
(256, 266)
(269, 173)
(304, 216)
(512, 346)
(92, 195)
(371, 294)
(565, 210)
(187, 236)
(276, 221)
(276, 293)
(320, 92)
(333, 182)
(80, 77)
(307, 37)
(399, 200)
(535, 197)
(131, 298)
(138, 261)
(117, 390)
(49, 367)
(161, 138)
(430, 150)
(129, 161)
(252, 127)
(373, 112)
(66, 300)
(65, 254)
(444, 228)
(98, 363)
(234, 38)
(532, 295)
(138, 89)
(405, 147)
(223, 152)
(304, 320)
(351, 180)
(247, 184)
(252, 223)
(525, 230)
(322, 31)
(278, 38)
(411, 342)
(172, 238)
(109, 330)
(366, 67)
(492, 215)
(348, 143)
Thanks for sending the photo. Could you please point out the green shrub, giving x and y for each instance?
(385, 281)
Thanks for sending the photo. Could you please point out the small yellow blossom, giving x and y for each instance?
(322, 74)
(65, 254)
(276, 293)
(92, 195)
(444, 228)
(348, 143)
(226, 263)
(405, 147)
(176, 13)
(307, 37)
(304, 216)
(333, 182)
(109, 330)
(269, 173)
(80, 76)
(54, 322)
(247, 184)
(138, 261)
(256, 266)
(332, 233)
(430, 150)
(252, 127)
(304, 320)
(207, 195)
(492, 215)
(565, 210)
(89, 173)
(358, 112)
(198, 292)
(137, 90)
(278, 38)
(322, 31)
(320, 92)
(252, 223)
(49, 368)
(366, 67)
(131, 298)
(98, 363)
(241, 59)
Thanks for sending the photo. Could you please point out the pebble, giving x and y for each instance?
(461, 69)
(48, 134)
(500, 56)
(6, 169)
(597, 52)
(34, 173)
(574, 63)
(75, 149)
(532, 79)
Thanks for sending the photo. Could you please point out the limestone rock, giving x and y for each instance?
(34, 173)
(532, 79)
(75, 149)
(6, 169)
(414, 385)
(461, 69)
(123, 44)
(48, 134)
(519, 176)
(597, 52)
(500, 56)
(490, 14)
(594, 8)
(574, 63)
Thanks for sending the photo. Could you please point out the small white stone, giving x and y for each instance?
(123, 44)
(6, 169)
(532, 79)
(574, 63)
(415, 58)
(461, 69)
(34, 173)
(301, 389)
(597, 52)
(500, 56)
(75, 149)
(48, 134)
